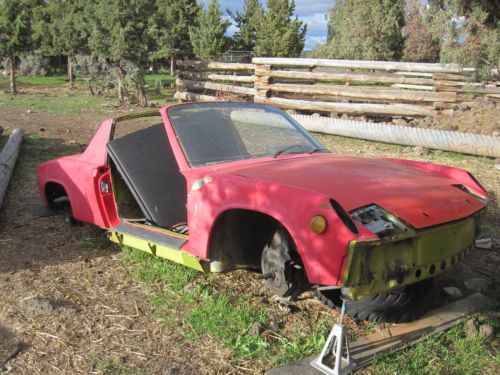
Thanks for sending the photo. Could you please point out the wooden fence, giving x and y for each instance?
(376, 88)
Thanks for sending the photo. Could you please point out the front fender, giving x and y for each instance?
(323, 255)
(461, 176)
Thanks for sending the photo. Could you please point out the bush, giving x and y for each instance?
(34, 65)
(101, 77)
(96, 72)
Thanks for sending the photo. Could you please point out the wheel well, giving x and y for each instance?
(53, 191)
(238, 238)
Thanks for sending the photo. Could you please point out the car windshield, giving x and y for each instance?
(211, 133)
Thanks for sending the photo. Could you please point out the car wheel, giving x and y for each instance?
(281, 267)
(67, 213)
(398, 306)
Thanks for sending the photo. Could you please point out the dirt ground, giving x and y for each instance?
(68, 305)
(481, 117)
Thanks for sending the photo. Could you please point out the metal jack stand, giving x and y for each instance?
(336, 351)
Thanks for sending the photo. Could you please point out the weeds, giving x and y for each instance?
(184, 297)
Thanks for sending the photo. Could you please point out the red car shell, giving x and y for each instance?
(291, 188)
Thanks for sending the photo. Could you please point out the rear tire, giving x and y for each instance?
(392, 307)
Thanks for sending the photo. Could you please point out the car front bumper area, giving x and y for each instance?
(375, 266)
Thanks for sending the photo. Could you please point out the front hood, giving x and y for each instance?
(416, 196)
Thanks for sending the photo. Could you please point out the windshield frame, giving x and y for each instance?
(315, 144)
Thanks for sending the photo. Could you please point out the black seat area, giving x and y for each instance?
(208, 136)
(147, 164)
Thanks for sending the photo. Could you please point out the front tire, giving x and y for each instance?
(281, 267)
(391, 307)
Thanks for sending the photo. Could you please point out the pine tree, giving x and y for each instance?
(208, 38)
(170, 27)
(420, 45)
(278, 32)
(469, 33)
(365, 30)
(60, 29)
(15, 32)
(245, 38)
(120, 35)
(491, 8)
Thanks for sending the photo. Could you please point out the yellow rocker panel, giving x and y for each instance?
(162, 251)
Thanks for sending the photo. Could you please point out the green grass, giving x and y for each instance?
(65, 103)
(227, 318)
(155, 270)
(38, 81)
(165, 78)
(443, 353)
(450, 352)
(73, 101)
(56, 80)
(186, 300)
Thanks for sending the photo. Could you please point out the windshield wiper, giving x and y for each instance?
(316, 149)
(276, 154)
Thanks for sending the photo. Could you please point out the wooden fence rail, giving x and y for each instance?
(376, 88)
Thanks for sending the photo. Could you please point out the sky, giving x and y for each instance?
(313, 13)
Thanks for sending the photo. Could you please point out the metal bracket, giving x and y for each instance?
(335, 358)
(152, 248)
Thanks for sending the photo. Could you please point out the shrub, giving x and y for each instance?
(96, 73)
(34, 65)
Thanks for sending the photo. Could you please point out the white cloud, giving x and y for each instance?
(305, 7)
(316, 23)
(317, 26)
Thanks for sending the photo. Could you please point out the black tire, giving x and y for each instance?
(392, 307)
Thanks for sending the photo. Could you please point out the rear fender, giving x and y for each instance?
(81, 180)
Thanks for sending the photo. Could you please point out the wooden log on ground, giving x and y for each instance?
(357, 92)
(360, 64)
(8, 158)
(344, 77)
(350, 108)
(213, 65)
(193, 97)
(216, 77)
(199, 85)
